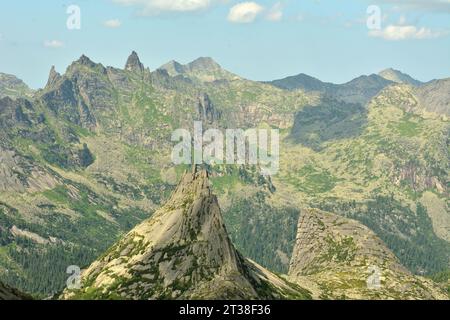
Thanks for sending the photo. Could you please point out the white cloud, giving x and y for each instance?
(53, 44)
(153, 7)
(275, 13)
(441, 6)
(404, 32)
(113, 23)
(245, 12)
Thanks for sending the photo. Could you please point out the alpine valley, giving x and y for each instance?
(358, 210)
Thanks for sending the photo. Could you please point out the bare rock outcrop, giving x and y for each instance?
(339, 258)
(182, 252)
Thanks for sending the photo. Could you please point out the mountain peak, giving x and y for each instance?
(300, 81)
(134, 63)
(84, 60)
(399, 77)
(182, 252)
(204, 63)
(173, 68)
(203, 69)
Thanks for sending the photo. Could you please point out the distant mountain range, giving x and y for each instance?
(85, 163)
(433, 95)
(203, 69)
(305, 82)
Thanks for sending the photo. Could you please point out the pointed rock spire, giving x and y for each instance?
(53, 77)
(182, 252)
(134, 64)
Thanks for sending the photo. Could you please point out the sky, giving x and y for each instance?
(333, 40)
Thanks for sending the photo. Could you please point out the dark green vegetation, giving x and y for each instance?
(443, 278)
(264, 234)
(330, 120)
(39, 266)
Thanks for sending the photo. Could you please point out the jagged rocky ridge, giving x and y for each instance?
(203, 69)
(91, 150)
(182, 252)
(346, 161)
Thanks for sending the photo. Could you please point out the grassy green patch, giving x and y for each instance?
(409, 126)
(225, 182)
(312, 180)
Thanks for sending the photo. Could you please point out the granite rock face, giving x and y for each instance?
(206, 109)
(182, 252)
(342, 259)
(53, 77)
(134, 64)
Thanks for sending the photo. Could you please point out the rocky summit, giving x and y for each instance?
(182, 252)
(133, 63)
(339, 258)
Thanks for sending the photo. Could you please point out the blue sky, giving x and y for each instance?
(259, 40)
